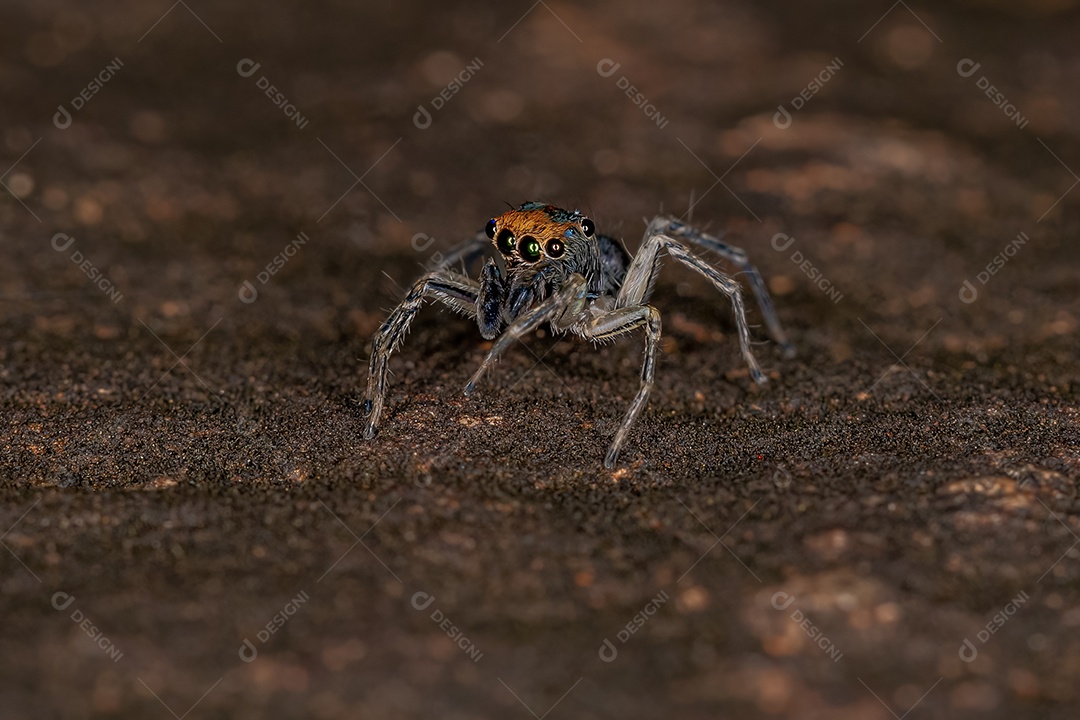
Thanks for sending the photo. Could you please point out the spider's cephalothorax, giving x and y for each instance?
(556, 268)
(542, 246)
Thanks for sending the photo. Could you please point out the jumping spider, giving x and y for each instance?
(558, 270)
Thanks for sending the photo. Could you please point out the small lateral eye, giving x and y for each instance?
(490, 229)
(505, 241)
(529, 248)
(555, 248)
(588, 227)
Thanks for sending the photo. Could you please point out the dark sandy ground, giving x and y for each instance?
(181, 470)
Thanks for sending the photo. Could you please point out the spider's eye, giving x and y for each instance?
(505, 241)
(588, 227)
(490, 229)
(555, 248)
(529, 248)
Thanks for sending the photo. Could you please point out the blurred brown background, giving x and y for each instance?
(208, 208)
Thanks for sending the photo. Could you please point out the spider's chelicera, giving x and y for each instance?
(556, 269)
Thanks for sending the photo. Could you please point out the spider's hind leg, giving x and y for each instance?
(646, 265)
(737, 256)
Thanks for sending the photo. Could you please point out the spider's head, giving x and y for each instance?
(536, 233)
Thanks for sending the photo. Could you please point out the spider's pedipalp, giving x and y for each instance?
(562, 310)
(491, 300)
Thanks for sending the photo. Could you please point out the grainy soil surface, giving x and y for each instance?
(193, 526)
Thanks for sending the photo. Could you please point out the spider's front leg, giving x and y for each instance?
(616, 322)
(643, 270)
(563, 309)
(452, 289)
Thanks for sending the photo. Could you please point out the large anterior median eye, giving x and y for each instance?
(529, 248)
(505, 242)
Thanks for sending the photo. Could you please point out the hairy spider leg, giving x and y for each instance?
(616, 322)
(646, 265)
(563, 310)
(456, 291)
(738, 257)
(570, 309)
